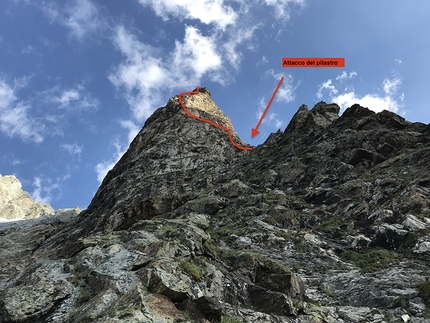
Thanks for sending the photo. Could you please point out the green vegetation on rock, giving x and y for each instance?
(211, 248)
(371, 260)
(191, 269)
(332, 225)
(273, 265)
(424, 290)
(225, 231)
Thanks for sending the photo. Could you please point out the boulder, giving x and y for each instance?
(412, 223)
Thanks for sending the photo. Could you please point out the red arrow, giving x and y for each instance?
(255, 131)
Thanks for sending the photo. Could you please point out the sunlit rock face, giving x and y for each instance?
(328, 221)
(15, 204)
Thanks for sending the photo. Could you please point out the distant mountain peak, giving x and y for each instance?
(16, 204)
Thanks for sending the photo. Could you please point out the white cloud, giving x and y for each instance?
(327, 85)
(278, 35)
(263, 61)
(82, 17)
(15, 162)
(131, 127)
(73, 149)
(21, 82)
(206, 11)
(390, 86)
(27, 50)
(144, 73)
(14, 115)
(102, 168)
(261, 106)
(282, 8)
(197, 53)
(74, 99)
(238, 38)
(54, 123)
(286, 92)
(39, 191)
(344, 76)
(49, 8)
(7, 95)
(370, 101)
(270, 118)
(11, 159)
(46, 190)
(373, 101)
(105, 166)
(66, 97)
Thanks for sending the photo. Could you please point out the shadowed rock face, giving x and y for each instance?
(328, 221)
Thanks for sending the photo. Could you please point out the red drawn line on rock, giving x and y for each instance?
(207, 120)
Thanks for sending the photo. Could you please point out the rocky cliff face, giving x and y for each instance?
(328, 221)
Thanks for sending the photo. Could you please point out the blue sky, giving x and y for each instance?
(78, 78)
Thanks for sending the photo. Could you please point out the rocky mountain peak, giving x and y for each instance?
(328, 221)
(172, 153)
(202, 105)
(320, 117)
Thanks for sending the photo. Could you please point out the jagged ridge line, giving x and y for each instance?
(207, 120)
